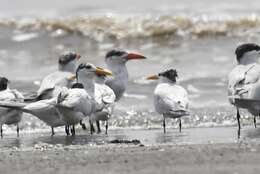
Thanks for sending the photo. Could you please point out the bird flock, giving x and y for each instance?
(82, 90)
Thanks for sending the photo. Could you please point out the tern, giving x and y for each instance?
(9, 116)
(105, 99)
(170, 99)
(86, 78)
(243, 81)
(116, 60)
(67, 65)
(70, 106)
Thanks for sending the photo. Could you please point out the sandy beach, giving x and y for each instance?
(210, 158)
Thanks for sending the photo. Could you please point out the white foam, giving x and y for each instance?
(24, 37)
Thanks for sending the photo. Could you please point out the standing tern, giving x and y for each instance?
(170, 99)
(67, 65)
(105, 99)
(9, 116)
(116, 61)
(243, 81)
(84, 76)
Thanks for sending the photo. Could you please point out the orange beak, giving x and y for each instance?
(152, 77)
(78, 56)
(72, 77)
(132, 56)
(104, 72)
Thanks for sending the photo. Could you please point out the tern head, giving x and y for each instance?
(170, 75)
(68, 61)
(247, 51)
(88, 70)
(118, 56)
(3, 83)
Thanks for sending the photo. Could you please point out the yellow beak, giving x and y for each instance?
(152, 77)
(72, 77)
(104, 72)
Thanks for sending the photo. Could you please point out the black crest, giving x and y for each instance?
(171, 74)
(67, 57)
(3, 83)
(242, 49)
(77, 85)
(115, 52)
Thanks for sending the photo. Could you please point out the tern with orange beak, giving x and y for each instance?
(85, 77)
(116, 61)
(170, 99)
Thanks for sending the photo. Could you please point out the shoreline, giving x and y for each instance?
(206, 158)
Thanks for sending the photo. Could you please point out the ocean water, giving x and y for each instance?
(198, 38)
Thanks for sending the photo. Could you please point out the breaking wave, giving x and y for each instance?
(134, 27)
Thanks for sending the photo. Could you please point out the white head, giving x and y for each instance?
(68, 61)
(247, 53)
(89, 71)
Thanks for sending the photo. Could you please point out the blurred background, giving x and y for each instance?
(197, 37)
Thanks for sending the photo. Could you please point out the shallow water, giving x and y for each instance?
(146, 137)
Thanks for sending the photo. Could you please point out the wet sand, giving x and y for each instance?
(207, 158)
(195, 150)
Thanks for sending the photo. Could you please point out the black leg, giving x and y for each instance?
(82, 125)
(92, 129)
(180, 125)
(52, 131)
(17, 130)
(106, 126)
(1, 130)
(98, 127)
(255, 121)
(164, 125)
(73, 132)
(67, 130)
(238, 122)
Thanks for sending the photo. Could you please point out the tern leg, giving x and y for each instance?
(255, 121)
(67, 130)
(1, 130)
(82, 125)
(52, 131)
(164, 125)
(98, 127)
(106, 126)
(73, 132)
(92, 129)
(180, 125)
(238, 122)
(17, 130)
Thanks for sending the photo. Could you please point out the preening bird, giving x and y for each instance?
(243, 81)
(105, 99)
(9, 116)
(170, 99)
